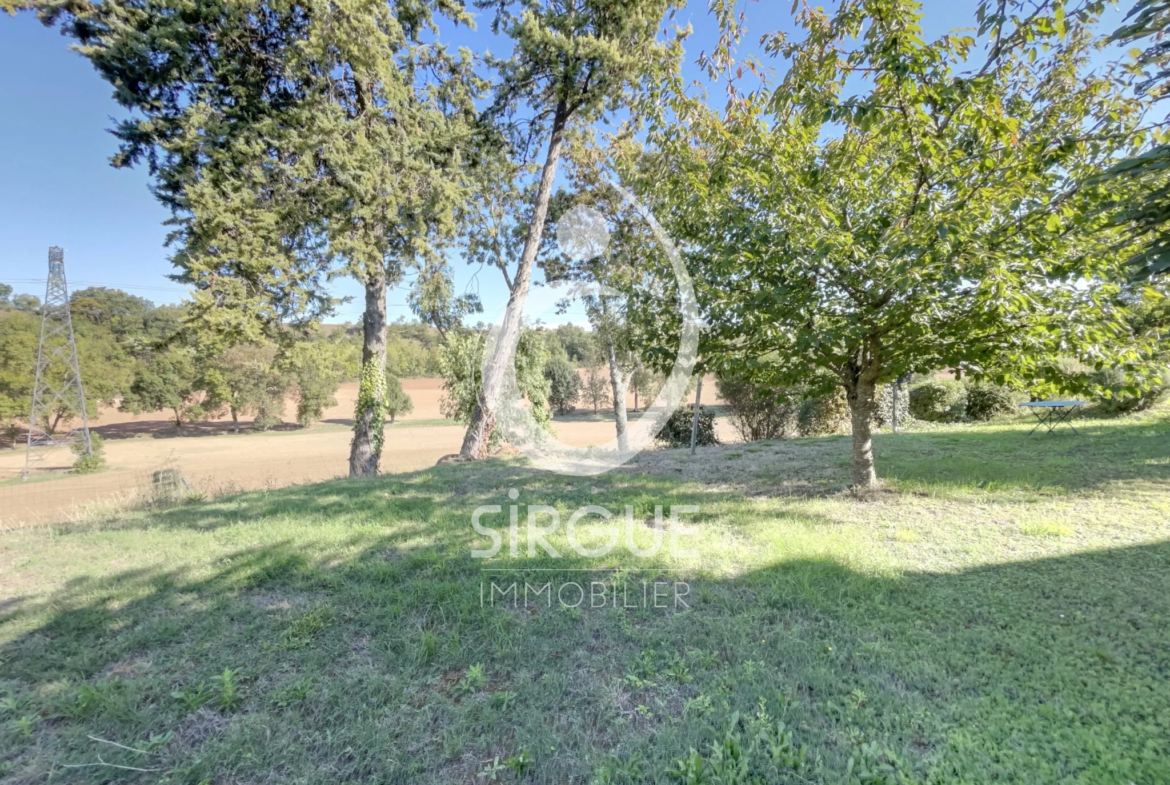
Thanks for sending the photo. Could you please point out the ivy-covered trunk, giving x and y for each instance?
(369, 417)
(861, 394)
(618, 380)
(483, 417)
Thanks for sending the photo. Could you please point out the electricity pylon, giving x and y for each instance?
(57, 387)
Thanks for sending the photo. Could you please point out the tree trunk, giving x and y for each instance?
(369, 418)
(235, 418)
(178, 418)
(861, 393)
(617, 382)
(483, 418)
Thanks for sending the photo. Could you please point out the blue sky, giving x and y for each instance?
(57, 187)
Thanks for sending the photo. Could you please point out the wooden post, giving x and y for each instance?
(695, 416)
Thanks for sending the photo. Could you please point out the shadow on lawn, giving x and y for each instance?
(998, 457)
(1043, 671)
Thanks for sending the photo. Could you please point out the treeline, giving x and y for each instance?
(143, 357)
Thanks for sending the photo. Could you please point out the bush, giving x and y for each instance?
(397, 401)
(939, 400)
(758, 412)
(95, 461)
(824, 415)
(1113, 393)
(677, 432)
(986, 401)
(564, 385)
(883, 416)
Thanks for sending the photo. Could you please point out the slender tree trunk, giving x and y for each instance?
(617, 382)
(235, 418)
(695, 415)
(369, 415)
(178, 418)
(861, 394)
(483, 418)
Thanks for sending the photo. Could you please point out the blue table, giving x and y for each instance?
(1052, 413)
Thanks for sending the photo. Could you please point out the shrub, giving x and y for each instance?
(939, 400)
(757, 411)
(397, 401)
(1114, 393)
(677, 432)
(986, 401)
(95, 461)
(823, 415)
(564, 385)
(883, 416)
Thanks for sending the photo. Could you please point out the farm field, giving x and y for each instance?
(214, 460)
(998, 612)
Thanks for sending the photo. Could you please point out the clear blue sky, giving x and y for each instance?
(57, 187)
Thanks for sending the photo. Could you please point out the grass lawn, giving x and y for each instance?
(1000, 613)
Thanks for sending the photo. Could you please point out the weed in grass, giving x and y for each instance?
(520, 764)
(473, 681)
(307, 626)
(194, 696)
(292, 694)
(25, 724)
(492, 770)
(503, 700)
(1045, 529)
(228, 693)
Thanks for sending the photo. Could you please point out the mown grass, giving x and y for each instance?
(1001, 613)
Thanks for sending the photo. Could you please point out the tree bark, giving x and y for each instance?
(861, 393)
(617, 382)
(483, 418)
(369, 421)
(235, 418)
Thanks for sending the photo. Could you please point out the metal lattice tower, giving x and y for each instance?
(57, 387)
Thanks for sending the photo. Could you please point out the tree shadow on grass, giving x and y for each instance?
(1122, 453)
(352, 660)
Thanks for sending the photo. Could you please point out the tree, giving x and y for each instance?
(1148, 214)
(5, 294)
(26, 302)
(170, 380)
(315, 370)
(247, 379)
(105, 369)
(291, 144)
(564, 385)
(881, 210)
(397, 401)
(571, 62)
(461, 366)
(595, 388)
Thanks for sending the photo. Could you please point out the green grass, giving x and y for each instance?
(1000, 613)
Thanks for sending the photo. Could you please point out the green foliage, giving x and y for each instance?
(89, 462)
(248, 379)
(461, 365)
(884, 413)
(370, 409)
(677, 431)
(315, 370)
(564, 385)
(1113, 391)
(876, 210)
(824, 415)
(595, 389)
(169, 380)
(756, 411)
(397, 401)
(939, 400)
(986, 400)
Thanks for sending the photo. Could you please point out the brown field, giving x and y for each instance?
(214, 460)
